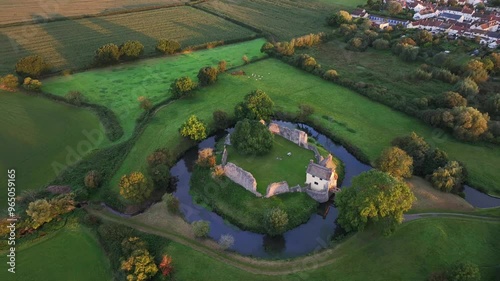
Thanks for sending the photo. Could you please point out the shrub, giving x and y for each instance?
(201, 228)
(467, 87)
(341, 17)
(107, 54)
(467, 123)
(75, 97)
(252, 138)
(194, 129)
(285, 48)
(166, 266)
(226, 241)
(140, 265)
(245, 59)
(221, 119)
(207, 76)
(32, 66)
(305, 111)
(206, 158)
(267, 48)
(222, 66)
(168, 46)
(276, 221)
(395, 162)
(172, 203)
(135, 187)
(331, 75)
(381, 44)
(357, 44)
(32, 84)
(451, 100)
(160, 156)
(308, 40)
(144, 103)
(476, 71)
(423, 75)
(182, 87)
(465, 271)
(92, 179)
(409, 53)
(131, 49)
(444, 75)
(9, 81)
(218, 172)
(160, 175)
(448, 177)
(306, 62)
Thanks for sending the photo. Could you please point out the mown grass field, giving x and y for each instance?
(73, 253)
(119, 87)
(71, 44)
(283, 19)
(28, 10)
(37, 132)
(366, 124)
(275, 166)
(380, 68)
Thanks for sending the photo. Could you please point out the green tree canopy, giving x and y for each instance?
(194, 129)
(135, 187)
(131, 49)
(201, 228)
(256, 106)
(32, 66)
(107, 54)
(182, 86)
(339, 18)
(252, 138)
(168, 46)
(276, 221)
(374, 197)
(465, 271)
(395, 162)
(449, 177)
(207, 76)
(416, 147)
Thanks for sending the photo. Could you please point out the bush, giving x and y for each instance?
(467, 87)
(423, 75)
(444, 75)
(206, 158)
(160, 175)
(396, 162)
(32, 66)
(465, 271)
(450, 100)
(207, 76)
(9, 81)
(107, 54)
(221, 119)
(75, 97)
(381, 44)
(245, 59)
(222, 66)
(131, 49)
(201, 228)
(182, 87)
(341, 17)
(252, 138)
(160, 156)
(331, 75)
(168, 46)
(307, 62)
(276, 221)
(448, 178)
(144, 103)
(135, 187)
(92, 179)
(305, 111)
(267, 48)
(172, 203)
(32, 84)
(194, 129)
(226, 241)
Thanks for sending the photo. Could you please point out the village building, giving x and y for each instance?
(322, 176)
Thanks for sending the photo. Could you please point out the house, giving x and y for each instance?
(426, 13)
(359, 13)
(322, 176)
(391, 21)
(416, 6)
(454, 17)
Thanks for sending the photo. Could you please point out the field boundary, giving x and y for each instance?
(227, 18)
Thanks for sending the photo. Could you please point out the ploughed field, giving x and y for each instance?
(38, 137)
(70, 44)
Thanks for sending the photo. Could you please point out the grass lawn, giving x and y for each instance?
(37, 133)
(366, 124)
(244, 209)
(72, 254)
(275, 166)
(71, 44)
(119, 87)
(380, 68)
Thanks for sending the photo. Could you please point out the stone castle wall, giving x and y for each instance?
(296, 136)
(321, 196)
(276, 188)
(241, 177)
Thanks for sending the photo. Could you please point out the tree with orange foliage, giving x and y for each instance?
(166, 265)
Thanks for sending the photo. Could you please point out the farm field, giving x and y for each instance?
(71, 44)
(347, 3)
(27, 10)
(282, 19)
(288, 87)
(275, 166)
(38, 135)
(380, 68)
(73, 253)
(119, 87)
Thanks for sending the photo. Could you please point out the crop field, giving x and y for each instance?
(377, 67)
(345, 3)
(275, 166)
(72, 254)
(282, 19)
(119, 87)
(71, 44)
(288, 87)
(39, 135)
(27, 10)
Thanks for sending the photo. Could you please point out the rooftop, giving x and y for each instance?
(319, 171)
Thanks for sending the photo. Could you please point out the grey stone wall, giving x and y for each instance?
(241, 177)
(321, 196)
(296, 136)
(276, 188)
(224, 156)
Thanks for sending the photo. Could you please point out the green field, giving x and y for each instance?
(119, 87)
(366, 124)
(73, 253)
(381, 68)
(275, 166)
(38, 136)
(346, 3)
(70, 44)
(282, 19)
